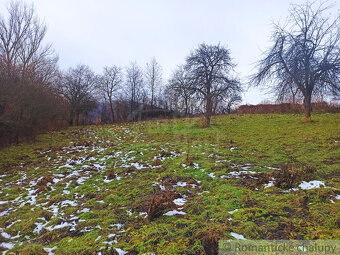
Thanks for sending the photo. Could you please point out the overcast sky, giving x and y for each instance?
(106, 32)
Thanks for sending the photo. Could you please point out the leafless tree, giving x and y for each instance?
(21, 38)
(77, 86)
(28, 101)
(210, 68)
(181, 84)
(305, 55)
(230, 102)
(109, 83)
(153, 75)
(134, 85)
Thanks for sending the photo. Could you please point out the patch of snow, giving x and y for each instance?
(143, 214)
(269, 184)
(84, 210)
(7, 245)
(180, 201)
(212, 175)
(39, 227)
(233, 148)
(311, 185)
(181, 184)
(120, 251)
(50, 250)
(68, 203)
(3, 213)
(5, 235)
(82, 179)
(174, 212)
(231, 212)
(3, 202)
(244, 166)
(337, 197)
(237, 236)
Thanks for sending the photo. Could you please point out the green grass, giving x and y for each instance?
(83, 212)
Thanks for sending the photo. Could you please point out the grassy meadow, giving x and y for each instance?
(171, 186)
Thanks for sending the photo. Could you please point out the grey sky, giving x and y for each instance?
(103, 32)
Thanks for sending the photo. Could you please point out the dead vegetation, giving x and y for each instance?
(288, 177)
(160, 203)
(209, 239)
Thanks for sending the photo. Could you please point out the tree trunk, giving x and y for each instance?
(308, 106)
(77, 119)
(208, 111)
(70, 121)
(112, 112)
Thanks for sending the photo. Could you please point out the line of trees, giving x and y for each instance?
(35, 95)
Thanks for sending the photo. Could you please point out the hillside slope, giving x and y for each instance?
(172, 187)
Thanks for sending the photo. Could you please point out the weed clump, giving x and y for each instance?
(289, 176)
(111, 174)
(157, 162)
(160, 202)
(209, 239)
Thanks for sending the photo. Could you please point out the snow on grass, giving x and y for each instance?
(50, 250)
(180, 201)
(72, 224)
(174, 212)
(120, 251)
(212, 175)
(242, 166)
(231, 212)
(237, 236)
(68, 203)
(39, 227)
(311, 185)
(269, 184)
(7, 245)
(237, 174)
(181, 184)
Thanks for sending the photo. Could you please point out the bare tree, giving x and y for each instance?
(134, 82)
(181, 84)
(21, 37)
(305, 55)
(232, 100)
(109, 83)
(210, 67)
(153, 75)
(77, 86)
(28, 101)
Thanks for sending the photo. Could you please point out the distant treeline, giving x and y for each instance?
(318, 107)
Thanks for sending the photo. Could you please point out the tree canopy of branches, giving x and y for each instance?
(305, 55)
(109, 83)
(153, 75)
(181, 85)
(28, 101)
(134, 83)
(210, 70)
(77, 86)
